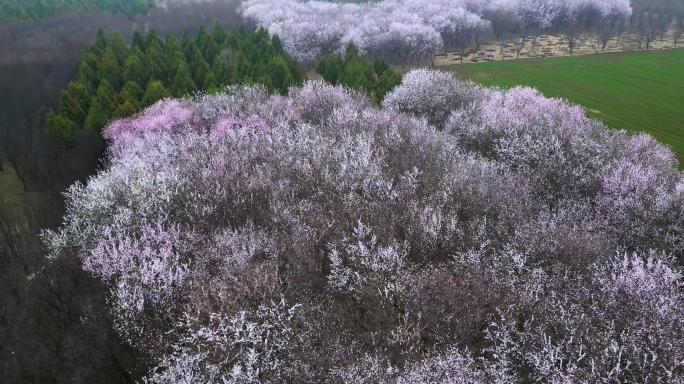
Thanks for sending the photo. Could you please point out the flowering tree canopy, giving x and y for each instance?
(413, 31)
(482, 236)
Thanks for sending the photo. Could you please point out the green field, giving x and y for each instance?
(12, 195)
(635, 91)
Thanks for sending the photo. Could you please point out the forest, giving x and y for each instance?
(280, 191)
(37, 9)
(116, 80)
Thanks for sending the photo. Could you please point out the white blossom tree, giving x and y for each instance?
(457, 234)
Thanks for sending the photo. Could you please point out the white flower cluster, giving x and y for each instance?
(458, 234)
(413, 31)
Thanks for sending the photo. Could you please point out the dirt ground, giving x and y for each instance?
(552, 46)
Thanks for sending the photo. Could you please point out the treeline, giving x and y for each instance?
(38, 58)
(38, 9)
(384, 29)
(116, 79)
(654, 19)
(376, 78)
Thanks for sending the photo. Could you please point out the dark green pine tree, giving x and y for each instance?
(74, 101)
(98, 116)
(279, 73)
(101, 109)
(138, 41)
(110, 70)
(100, 43)
(126, 101)
(151, 36)
(119, 46)
(87, 72)
(134, 90)
(354, 76)
(211, 84)
(386, 83)
(224, 67)
(218, 33)
(375, 78)
(183, 82)
(330, 68)
(117, 80)
(277, 45)
(173, 49)
(207, 45)
(135, 70)
(155, 92)
(157, 61)
(127, 108)
(62, 129)
(198, 66)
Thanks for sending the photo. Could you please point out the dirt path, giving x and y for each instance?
(552, 46)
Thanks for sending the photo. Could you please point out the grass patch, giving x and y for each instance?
(640, 92)
(12, 195)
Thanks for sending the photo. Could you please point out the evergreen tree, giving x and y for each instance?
(126, 101)
(109, 68)
(101, 108)
(36, 9)
(210, 82)
(375, 78)
(155, 92)
(199, 67)
(279, 74)
(134, 90)
(74, 101)
(182, 83)
(151, 36)
(225, 67)
(98, 116)
(87, 73)
(62, 128)
(218, 33)
(138, 41)
(351, 53)
(354, 75)
(128, 108)
(330, 68)
(100, 43)
(157, 61)
(116, 80)
(386, 82)
(118, 45)
(105, 95)
(173, 49)
(277, 45)
(134, 70)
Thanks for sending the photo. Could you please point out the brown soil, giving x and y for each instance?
(551, 46)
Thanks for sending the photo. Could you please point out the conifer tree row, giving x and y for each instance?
(376, 77)
(116, 79)
(37, 9)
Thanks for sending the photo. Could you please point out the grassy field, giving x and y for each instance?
(635, 91)
(12, 193)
